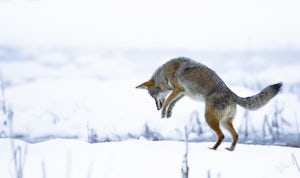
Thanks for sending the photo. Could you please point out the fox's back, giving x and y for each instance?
(197, 80)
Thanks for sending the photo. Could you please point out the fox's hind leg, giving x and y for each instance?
(227, 124)
(212, 117)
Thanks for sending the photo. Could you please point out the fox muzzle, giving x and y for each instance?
(159, 103)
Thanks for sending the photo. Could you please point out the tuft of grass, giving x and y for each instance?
(185, 165)
(295, 162)
(19, 153)
(43, 169)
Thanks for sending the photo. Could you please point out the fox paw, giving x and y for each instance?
(166, 115)
(169, 114)
(163, 114)
(230, 149)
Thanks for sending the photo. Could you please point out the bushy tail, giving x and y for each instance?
(262, 98)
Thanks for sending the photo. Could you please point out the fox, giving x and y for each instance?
(183, 76)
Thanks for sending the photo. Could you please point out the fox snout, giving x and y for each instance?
(156, 92)
(159, 103)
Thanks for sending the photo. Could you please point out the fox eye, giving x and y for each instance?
(154, 92)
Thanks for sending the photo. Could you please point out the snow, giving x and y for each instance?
(94, 106)
(69, 72)
(132, 158)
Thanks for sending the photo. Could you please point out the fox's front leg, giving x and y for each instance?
(169, 103)
(172, 104)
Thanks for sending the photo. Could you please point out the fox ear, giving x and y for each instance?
(146, 85)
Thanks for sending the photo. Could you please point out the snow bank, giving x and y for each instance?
(76, 159)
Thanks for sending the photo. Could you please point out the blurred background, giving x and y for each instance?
(69, 68)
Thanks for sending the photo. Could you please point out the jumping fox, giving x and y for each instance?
(184, 77)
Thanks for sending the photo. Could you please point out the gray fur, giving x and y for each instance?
(182, 76)
(259, 100)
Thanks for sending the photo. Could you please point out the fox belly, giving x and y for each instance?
(196, 97)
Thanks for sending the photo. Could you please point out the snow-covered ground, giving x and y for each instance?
(77, 159)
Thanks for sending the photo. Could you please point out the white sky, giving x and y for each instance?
(204, 25)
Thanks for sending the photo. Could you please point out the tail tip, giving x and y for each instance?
(277, 86)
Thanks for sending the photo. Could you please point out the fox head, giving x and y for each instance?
(158, 93)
